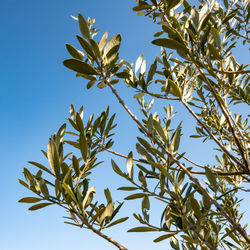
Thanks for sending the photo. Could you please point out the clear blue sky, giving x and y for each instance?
(36, 91)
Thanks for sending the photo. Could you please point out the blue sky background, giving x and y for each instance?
(36, 91)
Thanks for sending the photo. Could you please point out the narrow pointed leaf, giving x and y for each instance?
(80, 67)
(83, 26)
(40, 205)
(30, 200)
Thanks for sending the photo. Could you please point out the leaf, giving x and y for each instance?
(117, 169)
(170, 43)
(127, 188)
(196, 207)
(211, 178)
(214, 52)
(69, 192)
(30, 200)
(164, 237)
(129, 164)
(72, 112)
(142, 7)
(143, 67)
(95, 47)
(174, 145)
(124, 75)
(86, 46)
(135, 196)
(107, 212)
(172, 33)
(23, 183)
(41, 167)
(74, 52)
(53, 157)
(76, 165)
(117, 222)
(43, 188)
(112, 44)
(101, 85)
(138, 63)
(103, 40)
(108, 195)
(160, 131)
(175, 90)
(83, 145)
(88, 197)
(142, 229)
(163, 170)
(116, 211)
(90, 84)
(189, 239)
(40, 205)
(80, 67)
(83, 26)
(216, 36)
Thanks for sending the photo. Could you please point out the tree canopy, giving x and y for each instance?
(195, 69)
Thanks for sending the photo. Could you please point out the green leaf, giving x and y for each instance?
(175, 90)
(76, 165)
(86, 46)
(41, 167)
(160, 131)
(40, 205)
(53, 157)
(142, 229)
(69, 192)
(163, 170)
(80, 67)
(30, 200)
(135, 196)
(214, 52)
(107, 212)
(112, 45)
(196, 207)
(170, 43)
(124, 75)
(90, 84)
(83, 145)
(83, 26)
(174, 145)
(43, 188)
(142, 7)
(172, 33)
(95, 47)
(127, 188)
(211, 178)
(103, 40)
(74, 52)
(138, 62)
(108, 195)
(129, 164)
(117, 222)
(164, 237)
(23, 183)
(216, 36)
(117, 169)
(189, 239)
(116, 211)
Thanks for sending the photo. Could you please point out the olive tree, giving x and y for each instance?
(195, 68)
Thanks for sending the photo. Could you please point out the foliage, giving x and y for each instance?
(197, 69)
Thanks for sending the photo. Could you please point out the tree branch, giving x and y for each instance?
(191, 177)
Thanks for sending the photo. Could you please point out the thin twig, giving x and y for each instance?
(193, 172)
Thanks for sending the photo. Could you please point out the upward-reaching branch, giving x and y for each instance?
(192, 178)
